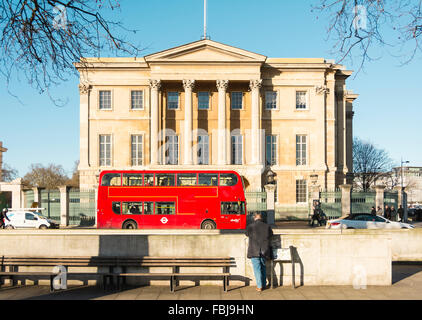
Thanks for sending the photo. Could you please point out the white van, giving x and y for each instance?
(27, 219)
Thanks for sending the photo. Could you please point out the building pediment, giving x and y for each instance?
(205, 51)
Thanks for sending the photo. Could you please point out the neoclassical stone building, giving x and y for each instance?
(209, 105)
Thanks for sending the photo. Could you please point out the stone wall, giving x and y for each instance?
(322, 258)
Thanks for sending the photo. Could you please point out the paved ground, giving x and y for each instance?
(407, 284)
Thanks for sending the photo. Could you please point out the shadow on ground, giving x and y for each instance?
(402, 271)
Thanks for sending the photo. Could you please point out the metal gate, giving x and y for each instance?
(256, 201)
(82, 207)
(331, 203)
(29, 198)
(50, 200)
(362, 202)
(391, 199)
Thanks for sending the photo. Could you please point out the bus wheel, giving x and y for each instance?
(130, 225)
(208, 224)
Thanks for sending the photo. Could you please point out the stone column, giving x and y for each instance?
(255, 86)
(84, 90)
(187, 139)
(270, 190)
(155, 86)
(346, 199)
(64, 206)
(222, 138)
(379, 197)
(37, 196)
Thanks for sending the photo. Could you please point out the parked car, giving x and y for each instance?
(366, 221)
(26, 219)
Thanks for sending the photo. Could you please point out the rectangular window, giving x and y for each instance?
(105, 100)
(165, 208)
(233, 207)
(164, 179)
(301, 150)
(301, 191)
(149, 179)
(172, 100)
(203, 149)
(132, 179)
(271, 100)
(237, 100)
(172, 150)
(105, 150)
(208, 179)
(148, 208)
(301, 97)
(236, 148)
(203, 100)
(186, 179)
(271, 150)
(111, 179)
(137, 99)
(132, 208)
(136, 150)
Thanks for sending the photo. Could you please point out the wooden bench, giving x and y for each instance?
(112, 263)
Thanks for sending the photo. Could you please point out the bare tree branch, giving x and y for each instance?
(42, 38)
(359, 27)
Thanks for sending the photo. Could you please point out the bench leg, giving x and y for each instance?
(225, 282)
(172, 283)
(293, 275)
(52, 283)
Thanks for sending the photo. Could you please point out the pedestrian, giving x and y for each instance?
(379, 211)
(393, 214)
(259, 249)
(3, 215)
(373, 211)
(400, 211)
(387, 212)
(316, 216)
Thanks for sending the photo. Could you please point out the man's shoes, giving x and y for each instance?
(259, 289)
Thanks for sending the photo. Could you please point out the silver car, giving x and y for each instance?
(366, 221)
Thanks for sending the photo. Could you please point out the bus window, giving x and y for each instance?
(228, 179)
(149, 179)
(116, 207)
(132, 207)
(165, 208)
(233, 207)
(148, 207)
(111, 179)
(186, 179)
(164, 180)
(132, 179)
(208, 179)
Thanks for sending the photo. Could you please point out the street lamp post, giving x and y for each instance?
(403, 201)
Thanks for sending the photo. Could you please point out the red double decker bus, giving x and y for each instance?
(171, 200)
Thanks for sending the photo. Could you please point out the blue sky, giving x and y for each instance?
(388, 111)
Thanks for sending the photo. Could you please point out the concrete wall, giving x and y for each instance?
(323, 258)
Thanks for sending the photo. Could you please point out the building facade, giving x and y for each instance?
(209, 105)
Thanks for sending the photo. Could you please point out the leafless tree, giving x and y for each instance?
(8, 173)
(358, 26)
(369, 163)
(42, 38)
(74, 180)
(50, 177)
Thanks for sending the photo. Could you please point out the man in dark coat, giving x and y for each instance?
(259, 249)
